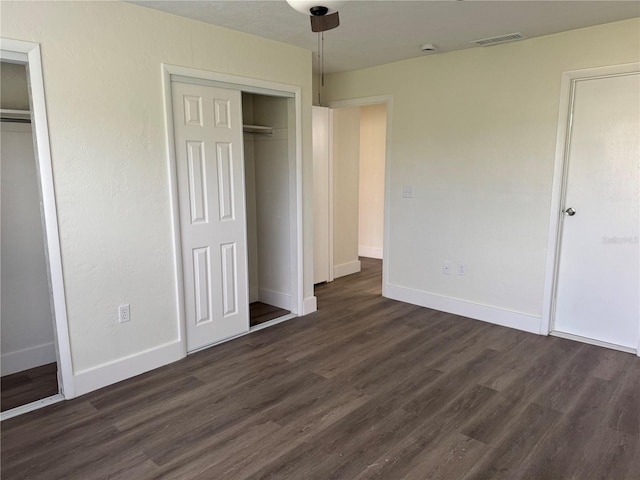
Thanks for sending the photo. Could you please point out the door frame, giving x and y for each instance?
(249, 85)
(28, 53)
(363, 102)
(558, 191)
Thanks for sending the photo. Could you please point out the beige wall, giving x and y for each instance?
(474, 133)
(373, 131)
(14, 94)
(103, 83)
(346, 154)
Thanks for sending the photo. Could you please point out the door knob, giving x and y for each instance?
(570, 211)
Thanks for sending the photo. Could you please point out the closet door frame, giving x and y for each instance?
(248, 85)
(28, 53)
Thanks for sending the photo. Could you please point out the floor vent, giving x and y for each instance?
(510, 37)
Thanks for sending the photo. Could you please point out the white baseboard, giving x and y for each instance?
(20, 360)
(277, 299)
(346, 269)
(98, 377)
(309, 305)
(370, 252)
(486, 313)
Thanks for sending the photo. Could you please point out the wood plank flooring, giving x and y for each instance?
(28, 386)
(261, 312)
(364, 388)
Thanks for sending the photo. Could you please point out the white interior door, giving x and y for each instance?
(208, 142)
(597, 295)
(321, 196)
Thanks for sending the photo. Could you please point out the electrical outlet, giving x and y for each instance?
(124, 313)
(407, 191)
(446, 268)
(461, 269)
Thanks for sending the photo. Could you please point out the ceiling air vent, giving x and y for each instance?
(510, 37)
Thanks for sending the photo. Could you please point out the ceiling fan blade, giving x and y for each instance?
(322, 23)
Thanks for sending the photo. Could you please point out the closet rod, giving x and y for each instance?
(257, 129)
(16, 116)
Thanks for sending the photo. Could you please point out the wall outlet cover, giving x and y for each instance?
(124, 313)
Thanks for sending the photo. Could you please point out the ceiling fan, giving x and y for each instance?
(323, 13)
(324, 16)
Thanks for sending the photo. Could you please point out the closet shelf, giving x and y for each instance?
(257, 129)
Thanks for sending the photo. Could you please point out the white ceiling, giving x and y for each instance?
(377, 32)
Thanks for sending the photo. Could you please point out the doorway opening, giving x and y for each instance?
(29, 367)
(36, 358)
(350, 151)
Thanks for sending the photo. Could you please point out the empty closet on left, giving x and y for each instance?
(29, 367)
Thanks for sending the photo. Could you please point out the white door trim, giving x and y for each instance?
(250, 85)
(330, 193)
(360, 102)
(560, 179)
(29, 53)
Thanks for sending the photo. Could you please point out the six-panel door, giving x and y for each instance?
(208, 143)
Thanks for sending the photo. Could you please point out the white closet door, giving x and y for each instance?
(598, 287)
(209, 158)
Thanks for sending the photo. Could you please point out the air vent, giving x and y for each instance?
(510, 37)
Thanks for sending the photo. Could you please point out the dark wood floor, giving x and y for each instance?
(261, 312)
(29, 386)
(365, 388)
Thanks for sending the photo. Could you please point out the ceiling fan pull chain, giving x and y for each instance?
(319, 86)
(322, 57)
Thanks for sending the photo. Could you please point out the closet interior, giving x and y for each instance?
(28, 357)
(268, 182)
